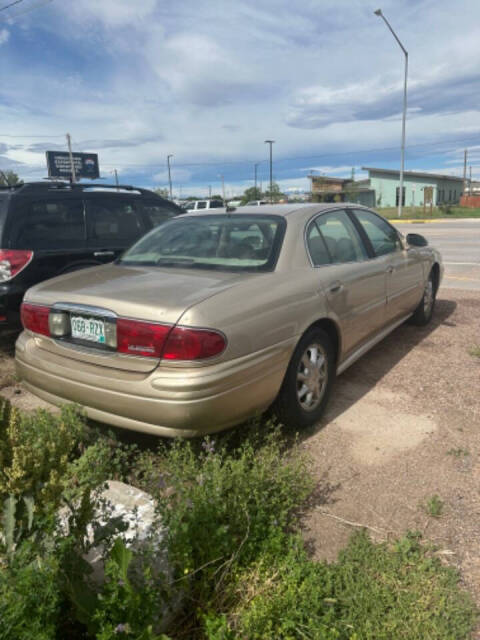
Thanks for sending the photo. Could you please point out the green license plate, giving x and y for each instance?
(89, 329)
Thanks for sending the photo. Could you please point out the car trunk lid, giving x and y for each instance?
(150, 294)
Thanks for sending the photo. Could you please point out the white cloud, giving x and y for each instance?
(210, 81)
(4, 36)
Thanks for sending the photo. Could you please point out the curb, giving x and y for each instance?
(429, 220)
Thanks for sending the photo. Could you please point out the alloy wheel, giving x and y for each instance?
(312, 376)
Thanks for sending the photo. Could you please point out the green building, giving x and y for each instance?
(417, 187)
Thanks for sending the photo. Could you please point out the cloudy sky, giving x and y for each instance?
(209, 80)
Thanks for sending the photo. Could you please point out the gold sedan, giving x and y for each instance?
(212, 318)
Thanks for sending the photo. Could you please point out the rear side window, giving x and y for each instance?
(49, 224)
(317, 247)
(157, 213)
(113, 222)
(383, 237)
(341, 238)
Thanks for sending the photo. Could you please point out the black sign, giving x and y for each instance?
(59, 166)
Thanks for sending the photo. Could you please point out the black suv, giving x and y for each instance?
(47, 229)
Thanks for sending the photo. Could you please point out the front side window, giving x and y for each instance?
(50, 224)
(221, 242)
(383, 237)
(341, 238)
(113, 222)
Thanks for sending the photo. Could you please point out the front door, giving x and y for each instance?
(403, 267)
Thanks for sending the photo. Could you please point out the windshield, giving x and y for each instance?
(221, 242)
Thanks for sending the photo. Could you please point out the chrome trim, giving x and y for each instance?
(84, 308)
(368, 345)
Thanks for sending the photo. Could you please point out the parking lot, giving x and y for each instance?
(403, 427)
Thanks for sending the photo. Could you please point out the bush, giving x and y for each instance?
(373, 592)
(35, 450)
(29, 596)
(221, 509)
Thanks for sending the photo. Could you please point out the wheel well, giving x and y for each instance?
(435, 271)
(331, 330)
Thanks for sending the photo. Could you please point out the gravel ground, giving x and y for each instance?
(403, 426)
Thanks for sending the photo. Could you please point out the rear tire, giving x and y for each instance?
(424, 312)
(307, 384)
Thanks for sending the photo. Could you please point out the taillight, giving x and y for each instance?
(35, 318)
(134, 337)
(193, 344)
(12, 261)
(141, 338)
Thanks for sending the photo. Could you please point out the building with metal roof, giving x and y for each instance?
(419, 187)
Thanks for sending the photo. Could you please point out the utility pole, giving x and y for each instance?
(73, 177)
(270, 142)
(379, 13)
(223, 188)
(470, 182)
(209, 190)
(255, 167)
(465, 153)
(116, 177)
(169, 175)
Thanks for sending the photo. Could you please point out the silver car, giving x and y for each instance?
(212, 318)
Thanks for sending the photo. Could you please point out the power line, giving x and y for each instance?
(290, 158)
(9, 135)
(12, 4)
(26, 10)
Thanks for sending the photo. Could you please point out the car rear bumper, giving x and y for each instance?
(169, 401)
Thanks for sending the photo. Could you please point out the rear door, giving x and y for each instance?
(114, 223)
(354, 286)
(54, 229)
(404, 268)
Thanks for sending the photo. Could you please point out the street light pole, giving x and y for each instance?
(255, 166)
(270, 142)
(379, 13)
(169, 175)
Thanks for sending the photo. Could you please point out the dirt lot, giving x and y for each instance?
(404, 425)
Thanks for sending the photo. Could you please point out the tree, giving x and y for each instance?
(164, 193)
(251, 193)
(9, 178)
(276, 194)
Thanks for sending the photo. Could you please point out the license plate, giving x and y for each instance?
(89, 329)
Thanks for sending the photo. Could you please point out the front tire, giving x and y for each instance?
(424, 312)
(307, 384)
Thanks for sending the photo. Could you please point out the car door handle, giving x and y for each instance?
(335, 288)
(97, 254)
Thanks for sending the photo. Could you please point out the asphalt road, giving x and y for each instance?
(459, 243)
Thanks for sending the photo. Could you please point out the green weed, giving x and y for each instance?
(434, 506)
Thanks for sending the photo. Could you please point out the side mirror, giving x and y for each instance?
(416, 240)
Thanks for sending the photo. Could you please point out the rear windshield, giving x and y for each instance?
(221, 242)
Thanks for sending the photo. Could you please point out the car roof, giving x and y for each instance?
(283, 210)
